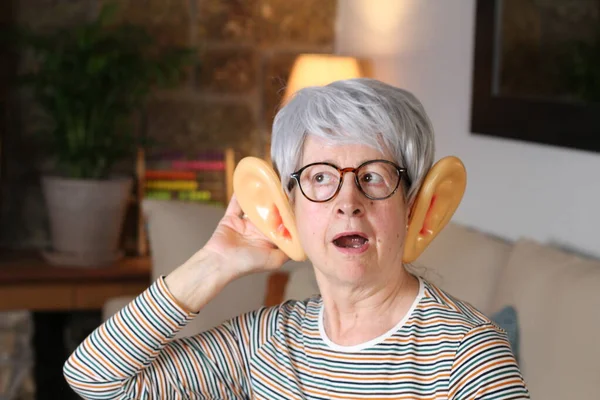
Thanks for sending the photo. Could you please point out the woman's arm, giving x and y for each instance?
(129, 356)
(485, 367)
(132, 355)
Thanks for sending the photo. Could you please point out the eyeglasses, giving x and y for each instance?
(321, 182)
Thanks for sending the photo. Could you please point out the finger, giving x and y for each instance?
(233, 208)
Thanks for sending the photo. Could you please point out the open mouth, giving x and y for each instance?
(353, 241)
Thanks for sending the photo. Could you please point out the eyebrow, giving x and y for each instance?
(330, 161)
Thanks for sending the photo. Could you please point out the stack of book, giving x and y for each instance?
(170, 176)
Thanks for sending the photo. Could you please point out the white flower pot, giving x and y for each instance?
(86, 219)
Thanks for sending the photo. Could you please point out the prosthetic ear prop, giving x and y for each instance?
(437, 200)
(258, 191)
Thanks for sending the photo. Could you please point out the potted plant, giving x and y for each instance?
(90, 81)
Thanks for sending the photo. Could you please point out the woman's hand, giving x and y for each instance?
(236, 248)
(239, 243)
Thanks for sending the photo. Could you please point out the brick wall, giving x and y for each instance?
(245, 52)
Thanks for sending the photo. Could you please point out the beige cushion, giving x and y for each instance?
(113, 305)
(557, 297)
(466, 263)
(177, 230)
(302, 283)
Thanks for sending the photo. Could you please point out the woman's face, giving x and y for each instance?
(350, 238)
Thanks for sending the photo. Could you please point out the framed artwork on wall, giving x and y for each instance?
(536, 72)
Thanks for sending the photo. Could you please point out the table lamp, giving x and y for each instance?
(322, 69)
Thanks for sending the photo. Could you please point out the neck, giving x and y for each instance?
(357, 314)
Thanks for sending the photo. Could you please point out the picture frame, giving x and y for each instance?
(568, 124)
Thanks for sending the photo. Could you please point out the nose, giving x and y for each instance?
(350, 199)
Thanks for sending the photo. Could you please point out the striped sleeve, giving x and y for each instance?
(132, 355)
(485, 368)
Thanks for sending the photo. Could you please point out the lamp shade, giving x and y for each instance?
(320, 70)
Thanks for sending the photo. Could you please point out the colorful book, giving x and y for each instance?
(191, 195)
(171, 185)
(155, 174)
(194, 195)
(198, 165)
(158, 195)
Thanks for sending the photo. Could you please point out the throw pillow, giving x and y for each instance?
(507, 319)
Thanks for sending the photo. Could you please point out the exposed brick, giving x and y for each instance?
(276, 74)
(168, 21)
(230, 20)
(191, 126)
(24, 215)
(227, 70)
(45, 15)
(6, 12)
(269, 22)
(305, 22)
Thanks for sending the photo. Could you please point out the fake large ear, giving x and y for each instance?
(437, 200)
(258, 191)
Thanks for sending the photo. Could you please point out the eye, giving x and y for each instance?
(372, 178)
(322, 178)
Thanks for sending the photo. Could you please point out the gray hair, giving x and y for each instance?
(356, 111)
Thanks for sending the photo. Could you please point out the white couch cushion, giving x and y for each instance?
(557, 298)
(466, 263)
(177, 230)
(302, 283)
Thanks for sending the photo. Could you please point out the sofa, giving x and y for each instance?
(555, 293)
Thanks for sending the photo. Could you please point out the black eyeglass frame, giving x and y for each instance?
(342, 171)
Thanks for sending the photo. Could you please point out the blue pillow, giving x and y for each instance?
(507, 320)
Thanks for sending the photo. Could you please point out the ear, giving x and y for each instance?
(259, 193)
(435, 204)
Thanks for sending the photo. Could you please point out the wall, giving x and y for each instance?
(245, 48)
(514, 188)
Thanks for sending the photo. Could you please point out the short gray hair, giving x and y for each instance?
(356, 111)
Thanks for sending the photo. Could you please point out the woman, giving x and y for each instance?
(376, 331)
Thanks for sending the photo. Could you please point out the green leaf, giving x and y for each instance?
(108, 13)
(90, 80)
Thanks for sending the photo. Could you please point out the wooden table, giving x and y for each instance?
(28, 282)
(53, 293)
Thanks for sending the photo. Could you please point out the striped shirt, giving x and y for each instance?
(442, 349)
